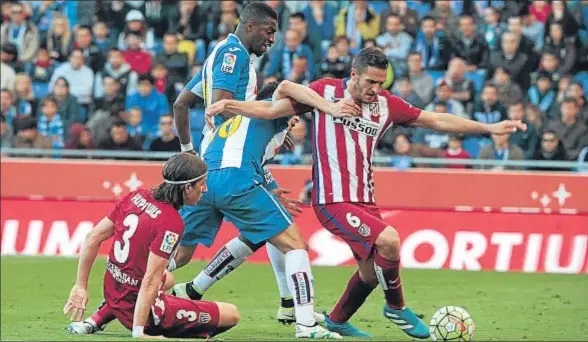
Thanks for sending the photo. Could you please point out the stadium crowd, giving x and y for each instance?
(104, 74)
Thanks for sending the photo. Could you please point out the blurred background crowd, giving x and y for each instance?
(103, 75)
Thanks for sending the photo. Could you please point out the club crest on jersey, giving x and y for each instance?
(374, 109)
(364, 230)
(169, 241)
(229, 61)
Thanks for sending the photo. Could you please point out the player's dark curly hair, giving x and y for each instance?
(257, 12)
(370, 57)
(180, 167)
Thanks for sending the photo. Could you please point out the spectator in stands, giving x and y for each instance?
(562, 88)
(113, 99)
(43, 12)
(470, 46)
(447, 21)
(119, 139)
(59, 39)
(463, 89)
(162, 16)
(455, 151)
(84, 40)
(526, 140)
(50, 123)
(563, 47)
(102, 37)
(192, 21)
(540, 9)
(136, 26)
(26, 103)
(551, 149)
(300, 72)
(533, 29)
(422, 83)
(152, 103)
(176, 62)
(427, 142)
(299, 134)
(6, 133)
(28, 135)
(282, 58)
(297, 22)
(68, 106)
(135, 125)
(434, 50)
(561, 15)
(139, 59)
(396, 44)
(283, 11)
(508, 91)
(403, 152)
(358, 22)
(79, 76)
(7, 107)
(488, 109)
(569, 129)
(224, 20)
(550, 64)
(511, 59)
(163, 84)
(42, 68)
(113, 14)
(21, 32)
(541, 93)
(409, 17)
(405, 90)
(320, 17)
(576, 91)
(444, 93)
(343, 45)
(80, 138)
(493, 28)
(9, 56)
(334, 64)
(501, 150)
(534, 116)
(7, 76)
(119, 69)
(167, 141)
(524, 44)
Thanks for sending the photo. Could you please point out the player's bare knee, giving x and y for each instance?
(388, 243)
(229, 315)
(289, 240)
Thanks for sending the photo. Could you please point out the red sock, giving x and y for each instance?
(103, 315)
(351, 300)
(388, 273)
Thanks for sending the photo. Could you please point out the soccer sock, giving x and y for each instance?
(229, 257)
(278, 262)
(171, 266)
(351, 300)
(388, 273)
(300, 285)
(102, 316)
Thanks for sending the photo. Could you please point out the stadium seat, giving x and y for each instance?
(436, 75)
(158, 47)
(478, 78)
(422, 8)
(583, 78)
(40, 89)
(472, 146)
(188, 47)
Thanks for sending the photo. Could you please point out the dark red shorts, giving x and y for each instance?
(177, 317)
(358, 224)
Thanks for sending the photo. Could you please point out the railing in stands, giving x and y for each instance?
(306, 160)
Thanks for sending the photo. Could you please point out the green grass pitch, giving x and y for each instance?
(505, 306)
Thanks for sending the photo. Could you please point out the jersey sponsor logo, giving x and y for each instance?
(169, 241)
(269, 178)
(220, 261)
(359, 125)
(229, 61)
(302, 288)
(119, 275)
(233, 49)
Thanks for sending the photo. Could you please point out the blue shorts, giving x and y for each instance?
(240, 197)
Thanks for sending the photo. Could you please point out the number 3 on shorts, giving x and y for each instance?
(353, 221)
(189, 315)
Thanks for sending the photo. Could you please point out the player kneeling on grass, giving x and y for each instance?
(147, 229)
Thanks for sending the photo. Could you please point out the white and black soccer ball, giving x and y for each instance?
(451, 323)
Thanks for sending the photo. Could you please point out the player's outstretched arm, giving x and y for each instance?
(444, 122)
(181, 109)
(150, 284)
(78, 297)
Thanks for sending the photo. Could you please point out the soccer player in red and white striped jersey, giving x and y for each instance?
(343, 195)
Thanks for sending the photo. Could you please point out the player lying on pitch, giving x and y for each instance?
(147, 229)
(343, 195)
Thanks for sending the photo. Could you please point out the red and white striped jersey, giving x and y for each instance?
(343, 148)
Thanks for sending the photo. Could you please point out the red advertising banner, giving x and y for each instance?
(552, 243)
(507, 192)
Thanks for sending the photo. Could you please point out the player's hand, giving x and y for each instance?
(216, 108)
(291, 205)
(292, 122)
(76, 303)
(288, 143)
(209, 122)
(345, 108)
(507, 126)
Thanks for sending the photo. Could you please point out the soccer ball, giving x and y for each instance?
(451, 323)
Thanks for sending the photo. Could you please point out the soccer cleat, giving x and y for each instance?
(82, 328)
(287, 316)
(345, 329)
(406, 320)
(186, 291)
(316, 332)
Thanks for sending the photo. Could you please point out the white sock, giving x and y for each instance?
(278, 261)
(301, 287)
(229, 257)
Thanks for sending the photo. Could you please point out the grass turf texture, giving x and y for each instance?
(504, 306)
